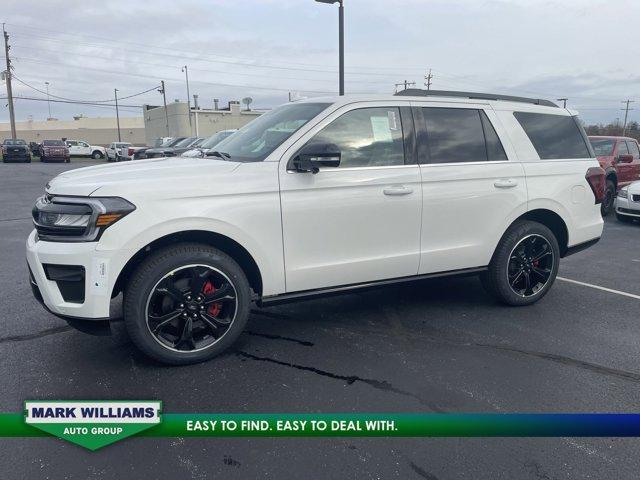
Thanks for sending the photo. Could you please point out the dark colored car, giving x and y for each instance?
(620, 159)
(34, 147)
(54, 151)
(15, 151)
(176, 147)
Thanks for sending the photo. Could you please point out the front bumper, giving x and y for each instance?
(101, 269)
(627, 206)
(16, 157)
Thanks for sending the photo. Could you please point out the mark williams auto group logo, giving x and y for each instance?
(92, 424)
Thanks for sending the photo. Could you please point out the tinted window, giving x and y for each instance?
(553, 136)
(602, 146)
(366, 137)
(633, 149)
(495, 151)
(622, 148)
(455, 135)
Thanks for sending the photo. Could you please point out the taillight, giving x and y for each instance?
(130, 152)
(595, 177)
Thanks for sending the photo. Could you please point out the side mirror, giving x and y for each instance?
(626, 158)
(313, 156)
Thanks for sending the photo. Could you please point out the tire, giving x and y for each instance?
(143, 295)
(43, 159)
(97, 155)
(624, 218)
(68, 160)
(512, 247)
(609, 197)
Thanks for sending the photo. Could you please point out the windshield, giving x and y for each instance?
(185, 143)
(256, 140)
(215, 139)
(54, 143)
(173, 142)
(14, 142)
(602, 146)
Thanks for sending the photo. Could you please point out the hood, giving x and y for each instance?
(124, 176)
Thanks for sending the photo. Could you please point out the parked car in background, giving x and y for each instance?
(80, 148)
(122, 151)
(54, 151)
(175, 147)
(158, 142)
(313, 198)
(620, 158)
(15, 151)
(167, 143)
(628, 203)
(201, 149)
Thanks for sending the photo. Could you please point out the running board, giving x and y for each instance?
(331, 291)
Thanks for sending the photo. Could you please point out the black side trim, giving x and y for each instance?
(330, 291)
(581, 246)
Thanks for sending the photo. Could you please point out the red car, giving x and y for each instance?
(620, 158)
(54, 151)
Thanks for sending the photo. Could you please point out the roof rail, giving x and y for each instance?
(418, 92)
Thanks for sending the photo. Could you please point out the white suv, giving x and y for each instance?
(318, 197)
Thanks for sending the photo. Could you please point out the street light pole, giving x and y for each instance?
(115, 93)
(340, 39)
(48, 100)
(186, 74)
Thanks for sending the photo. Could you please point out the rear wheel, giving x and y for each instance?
(97, 155)
(609, 197)
(524, 265)
(186, 304)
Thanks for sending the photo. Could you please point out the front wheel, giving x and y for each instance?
(186, 303)
(524, 265)
(97, 155)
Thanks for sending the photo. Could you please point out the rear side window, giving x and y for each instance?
(553, 136)
(622, 148)
(458, 135)
(633, 149)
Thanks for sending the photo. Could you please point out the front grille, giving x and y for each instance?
(69, 279)
(635, 198)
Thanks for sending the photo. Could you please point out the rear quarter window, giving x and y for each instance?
(554, 136)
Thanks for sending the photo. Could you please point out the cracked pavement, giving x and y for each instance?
(434, 346)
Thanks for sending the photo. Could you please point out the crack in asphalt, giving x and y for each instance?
(593, 367)
(280, 337)
(33, 336)
(422, 472)
(350, 379)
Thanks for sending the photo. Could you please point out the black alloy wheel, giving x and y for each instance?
(530, 265)
(191, 308)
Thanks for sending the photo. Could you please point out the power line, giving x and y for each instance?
(21, 97)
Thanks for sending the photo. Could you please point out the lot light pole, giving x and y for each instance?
(48, 100)
(186, 74)
(341, 38)
(115, 93)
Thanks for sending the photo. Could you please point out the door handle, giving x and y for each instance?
(505, 183)
(395, 191)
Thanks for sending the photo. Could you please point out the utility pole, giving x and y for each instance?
(428, 78)
(563, 100)
(196, 107)
(164, 99)
(48, 100)
(115, 93)
(12, 115)
(186, 74)
(406, 84)
(626, 115)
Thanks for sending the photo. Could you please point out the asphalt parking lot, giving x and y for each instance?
(435, 346)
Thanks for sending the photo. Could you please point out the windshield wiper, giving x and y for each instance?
(215, 153)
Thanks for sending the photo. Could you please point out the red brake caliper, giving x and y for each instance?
(214, 308)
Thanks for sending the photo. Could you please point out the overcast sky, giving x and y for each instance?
(584, 50)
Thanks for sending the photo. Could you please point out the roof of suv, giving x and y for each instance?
(436, 96)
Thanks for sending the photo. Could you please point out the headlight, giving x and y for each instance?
(624, 192)
(77, 219)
